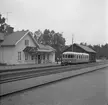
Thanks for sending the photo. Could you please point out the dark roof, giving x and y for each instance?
(41, 48)
(87, 49)
(29, 49)
(1, 36)
(11, 39)
(15, 37)
(46, 47)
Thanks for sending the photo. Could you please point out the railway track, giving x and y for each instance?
(16, 75)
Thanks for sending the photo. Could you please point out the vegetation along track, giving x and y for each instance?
(30, 73)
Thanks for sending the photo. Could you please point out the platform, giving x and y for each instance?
(23, 66)
(16, 86)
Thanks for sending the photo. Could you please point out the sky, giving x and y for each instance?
(87, 20)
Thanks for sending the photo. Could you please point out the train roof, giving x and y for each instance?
(69, 52)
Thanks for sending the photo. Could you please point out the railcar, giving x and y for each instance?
(74, 58)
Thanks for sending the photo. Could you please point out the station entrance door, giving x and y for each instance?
(39, 59)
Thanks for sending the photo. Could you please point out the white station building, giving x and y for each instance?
(21, 48)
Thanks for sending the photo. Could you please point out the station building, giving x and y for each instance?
(20, 47)
(83, 49)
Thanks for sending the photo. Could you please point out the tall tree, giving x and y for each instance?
(47, 37)
(38, 36)
(5, 28)
(53, 39)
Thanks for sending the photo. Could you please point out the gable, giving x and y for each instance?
(30, 40)
(11, 39)
(15, 38)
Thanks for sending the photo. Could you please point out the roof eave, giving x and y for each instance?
(84, 49)
(7, 45)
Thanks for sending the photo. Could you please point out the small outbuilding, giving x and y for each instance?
(83, 49)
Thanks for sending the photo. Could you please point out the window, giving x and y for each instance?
(69, 56)
(85, 57)
(48, 56)
(72, 56)
(26, 42)
(43, 56)
(26, 56)
(78, 56)
(32, 57)
(19, 55)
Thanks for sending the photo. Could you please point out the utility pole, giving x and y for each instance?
(7, 13)
(72, 41)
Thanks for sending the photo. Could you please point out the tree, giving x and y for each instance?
(2, 24)
(101, 50)
(5, 28)
(38, 36)
(53, 39)
(47, 37)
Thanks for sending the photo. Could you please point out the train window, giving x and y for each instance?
(69, 56)
(75, 56)
(78, 56)
(72, 56)
(65, 56)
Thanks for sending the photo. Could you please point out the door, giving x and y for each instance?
(39, 59)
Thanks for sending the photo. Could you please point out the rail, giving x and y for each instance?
(24, 74)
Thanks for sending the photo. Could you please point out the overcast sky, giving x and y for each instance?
(86, 19)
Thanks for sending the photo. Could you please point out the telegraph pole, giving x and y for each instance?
(72, 41)
(7, 13)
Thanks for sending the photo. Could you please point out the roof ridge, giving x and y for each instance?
(86, 48)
